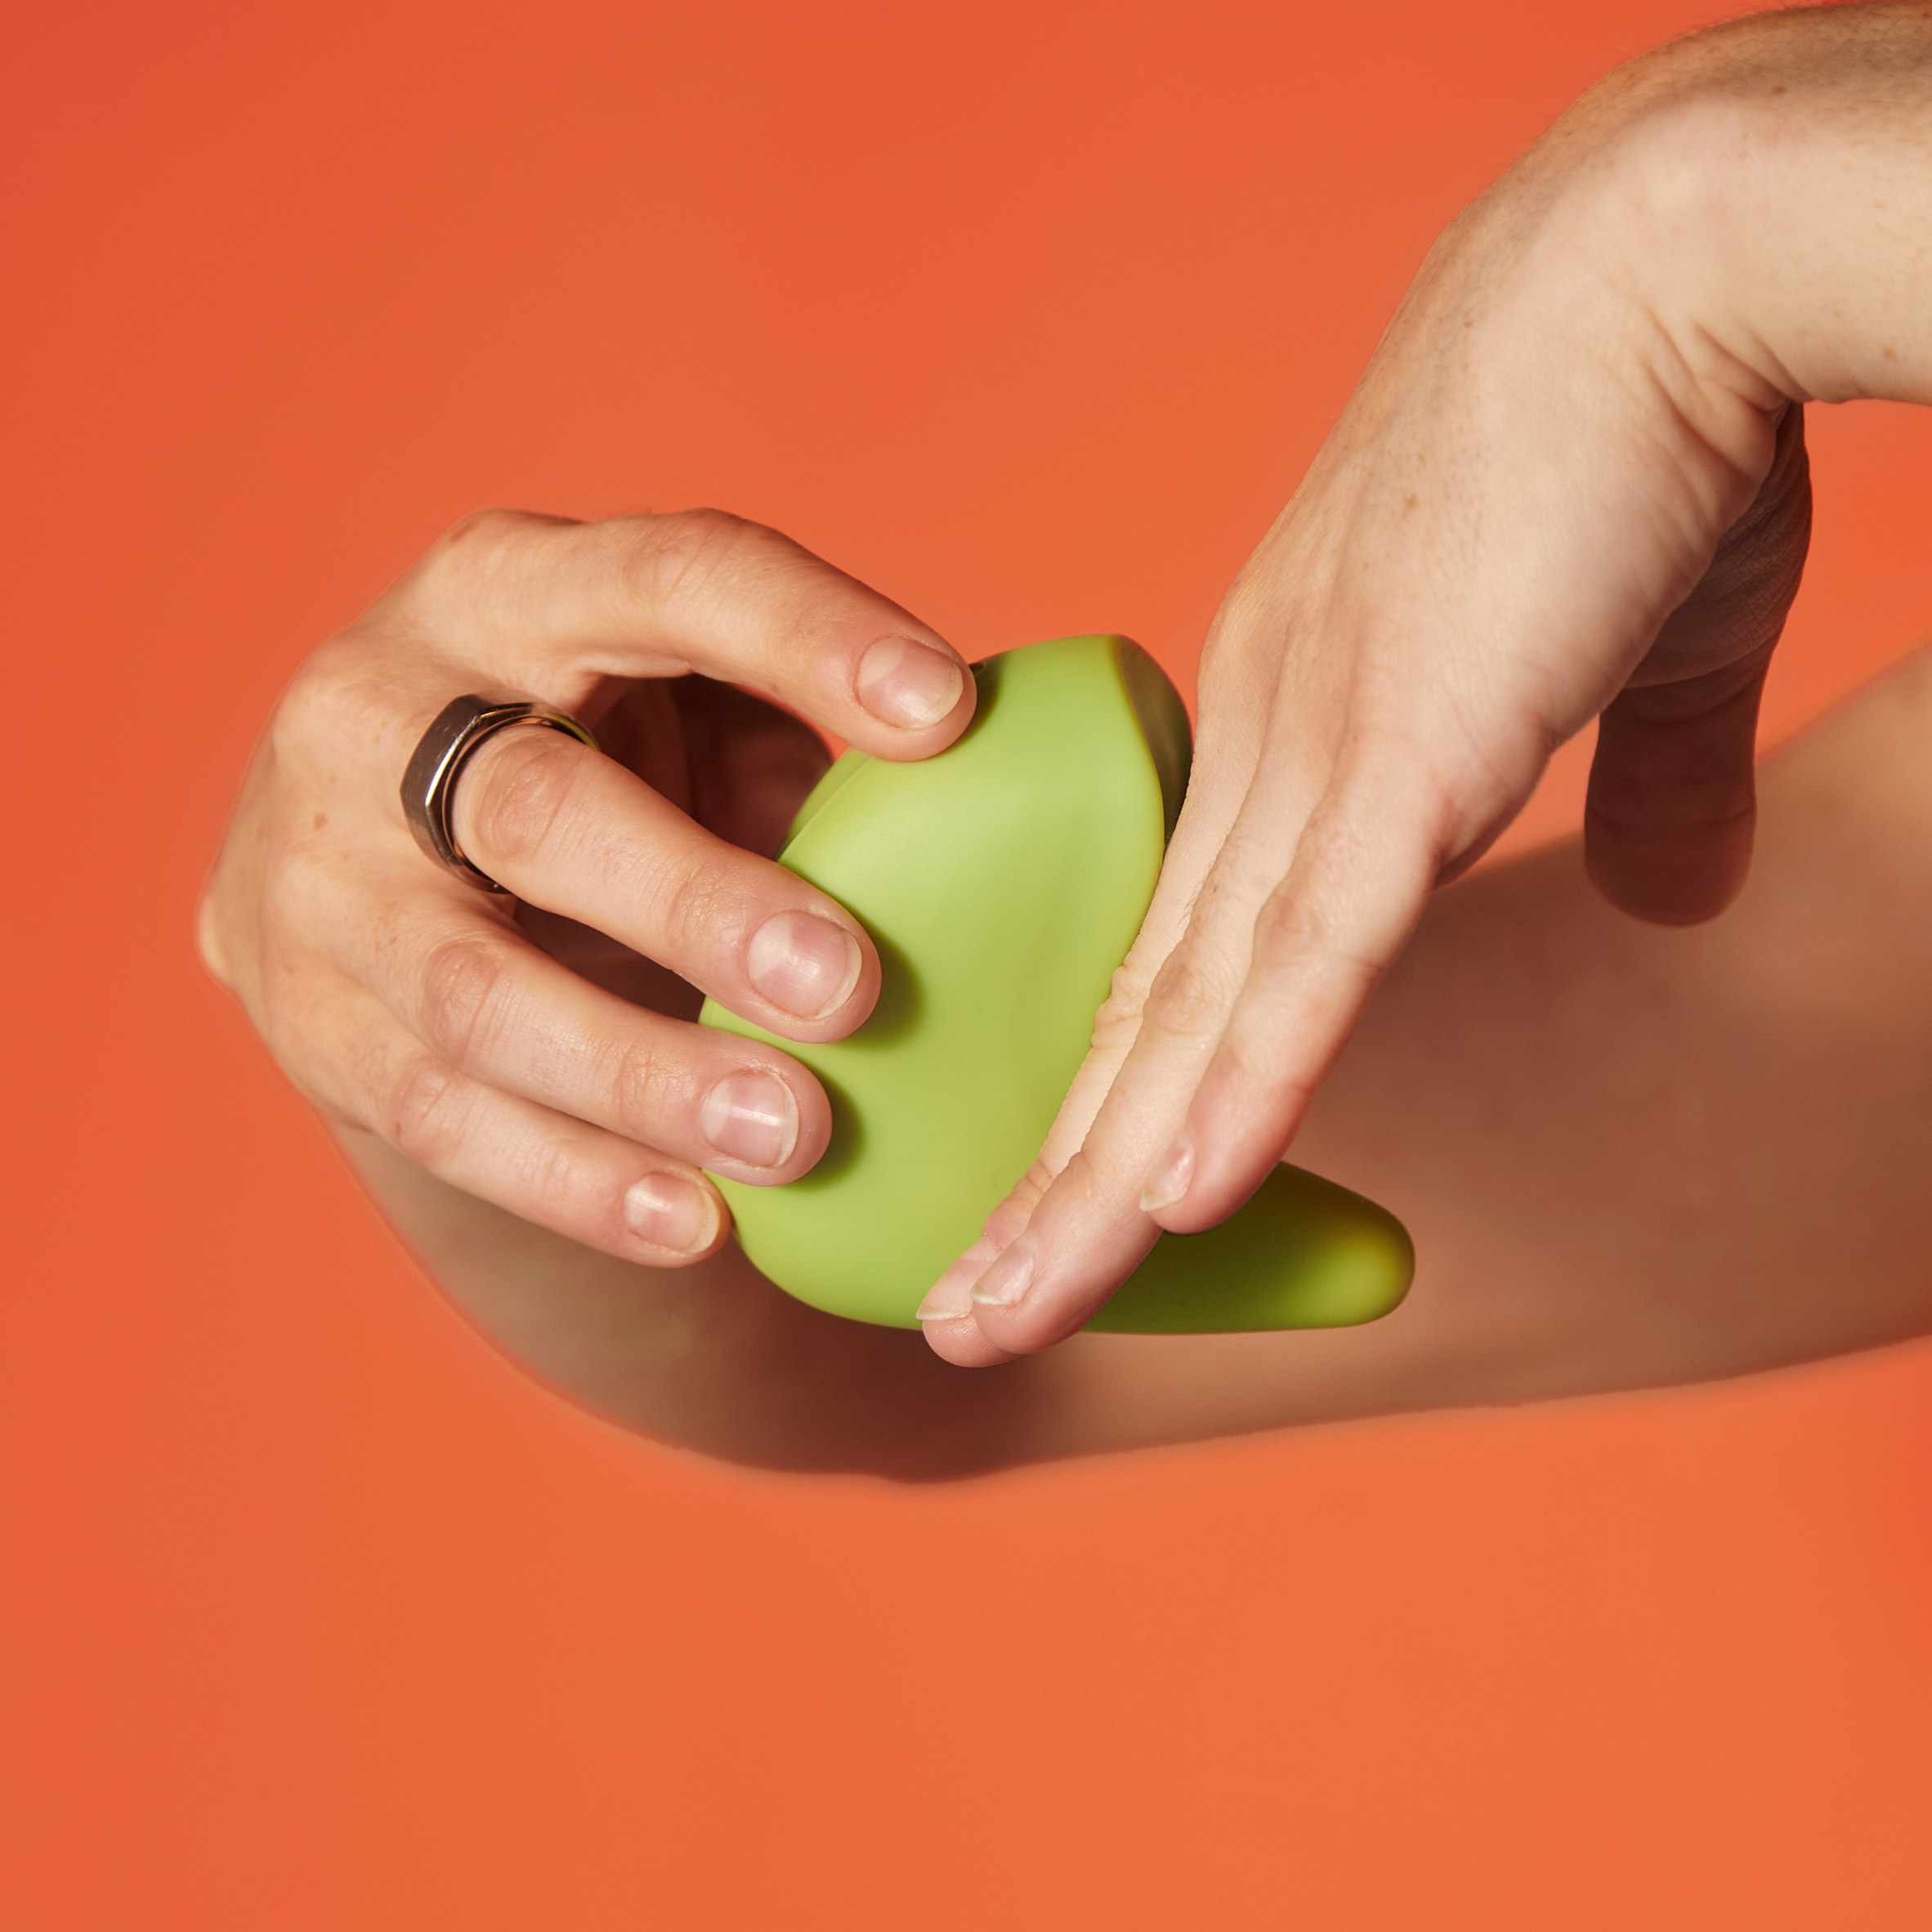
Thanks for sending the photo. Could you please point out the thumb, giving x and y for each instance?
(1673, 797)
(1673, 794)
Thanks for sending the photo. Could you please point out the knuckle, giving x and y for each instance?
(1297, 933)
(303, 1030)
(291, 892)
(489, 532)
(1243, 1064)
(1083, 1179)
(515, 801)
(304, 885)
(696, 914)
(1008, 1221)
(210, 939)
(480, 545)
(473, 553)
(420, 1112)
(460, 980)
(1186, 999)
(551, 1182)
(1114, 1032)
(645, 1088)
(1290, 926)
(1117, 1024)
(674, 555)
(325, 706)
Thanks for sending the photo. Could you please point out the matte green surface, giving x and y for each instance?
(1003, 882)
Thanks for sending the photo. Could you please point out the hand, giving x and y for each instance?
(1571, 483)
(445, 1021)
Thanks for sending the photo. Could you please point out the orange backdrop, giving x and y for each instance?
(317, 1614)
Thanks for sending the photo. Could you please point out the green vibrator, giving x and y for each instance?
(1003, 882)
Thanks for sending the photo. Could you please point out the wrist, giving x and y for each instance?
(1772, 182)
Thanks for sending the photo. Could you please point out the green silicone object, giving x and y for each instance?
(1003, 882)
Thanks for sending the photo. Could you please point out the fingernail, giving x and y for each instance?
(904, 682)
(1170, 1178)
(1005, 1283)
(670, 1212)
(751, 1117)
(803, 963)
(950, 1297)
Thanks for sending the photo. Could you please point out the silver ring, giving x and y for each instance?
(429, 786)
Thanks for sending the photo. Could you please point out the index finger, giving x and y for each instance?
(553, 607)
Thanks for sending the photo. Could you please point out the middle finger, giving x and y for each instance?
(565, 828)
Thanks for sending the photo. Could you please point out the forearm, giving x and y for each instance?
(1773, 183)
(711, 1356)
(1631, 1155)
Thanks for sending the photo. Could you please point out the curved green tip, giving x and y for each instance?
(1003, 882)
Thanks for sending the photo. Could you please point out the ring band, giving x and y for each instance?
(429, 786)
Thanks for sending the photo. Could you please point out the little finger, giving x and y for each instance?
(577, 1180)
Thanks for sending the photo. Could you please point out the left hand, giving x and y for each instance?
(410, 1006)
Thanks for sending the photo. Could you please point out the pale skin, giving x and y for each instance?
(407, 1004)
(1630, 1156)
(1571, 483)
(1631, 1153)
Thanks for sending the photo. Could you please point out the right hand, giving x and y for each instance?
(409, 1004)
(1571, 484)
